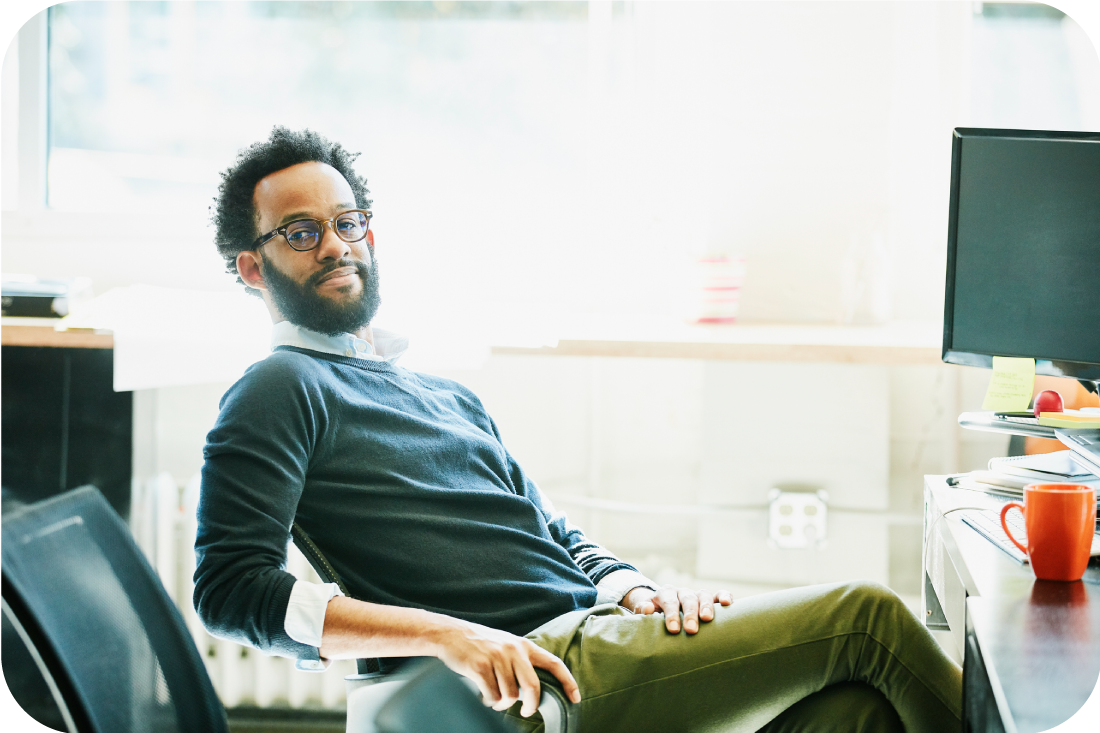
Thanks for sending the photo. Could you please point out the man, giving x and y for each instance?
(448, 549)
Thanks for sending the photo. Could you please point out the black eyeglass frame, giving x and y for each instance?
(265, 238)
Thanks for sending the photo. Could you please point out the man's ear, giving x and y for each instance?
(250, 268)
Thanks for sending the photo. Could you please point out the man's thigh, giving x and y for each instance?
(756, 659)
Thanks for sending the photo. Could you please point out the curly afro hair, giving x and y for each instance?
(234, 216)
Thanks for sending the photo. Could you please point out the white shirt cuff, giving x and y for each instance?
(618, 583)
(305, 614)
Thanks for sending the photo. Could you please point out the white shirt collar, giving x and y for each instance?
(388, 346)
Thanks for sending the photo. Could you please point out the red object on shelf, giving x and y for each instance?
(719, 282)
(1048, 401)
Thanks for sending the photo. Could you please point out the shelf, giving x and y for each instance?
(985, 422)
(42, 332)
(895, 343)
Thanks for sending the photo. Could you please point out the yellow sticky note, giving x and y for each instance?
(1011, 385)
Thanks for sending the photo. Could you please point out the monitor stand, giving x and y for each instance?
(989, 422)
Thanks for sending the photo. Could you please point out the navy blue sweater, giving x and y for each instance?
(402, 481)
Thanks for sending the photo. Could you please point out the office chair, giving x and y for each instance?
(105, 635)
(369, 691)
(414, 708)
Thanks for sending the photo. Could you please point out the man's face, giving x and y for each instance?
(332, 288)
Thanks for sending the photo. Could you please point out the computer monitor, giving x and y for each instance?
(1023, 250)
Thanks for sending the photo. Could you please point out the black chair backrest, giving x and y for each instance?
(328, 574)
(102, 622)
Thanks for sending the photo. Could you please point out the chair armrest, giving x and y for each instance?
(559, 714)
(367, 693)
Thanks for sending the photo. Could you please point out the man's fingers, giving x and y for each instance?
(529, 688)
(669, 603)
(690, 603)
(697, 606)
(506, 683)
(484, 676)
(706, 605)
(545, 660)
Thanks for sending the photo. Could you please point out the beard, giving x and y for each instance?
(302, 305)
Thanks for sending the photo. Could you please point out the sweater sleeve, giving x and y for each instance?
(254, 472)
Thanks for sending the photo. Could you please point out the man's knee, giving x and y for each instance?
(869, 594)
(846, 707)
(871, 589)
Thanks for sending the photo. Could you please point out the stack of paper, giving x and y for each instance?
(1084, 419)
(1009, 476)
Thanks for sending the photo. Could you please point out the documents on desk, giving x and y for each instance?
(1056, 466)
(1008, 476)
(992, 483)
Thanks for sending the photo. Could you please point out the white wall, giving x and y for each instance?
(671, 432)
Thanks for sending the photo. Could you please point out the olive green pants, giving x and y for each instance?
(841, 657)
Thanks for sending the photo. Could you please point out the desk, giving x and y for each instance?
(41, 332)
(1031, 647)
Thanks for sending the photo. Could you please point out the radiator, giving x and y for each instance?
(163, 522)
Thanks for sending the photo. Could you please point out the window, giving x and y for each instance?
(556, 158)
(9, 128)
(1033, 68)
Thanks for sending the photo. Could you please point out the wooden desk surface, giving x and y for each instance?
(41, 332)
(894, 343)
(1040, 639)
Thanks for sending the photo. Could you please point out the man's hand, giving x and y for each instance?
(696, 605)
(502, 665)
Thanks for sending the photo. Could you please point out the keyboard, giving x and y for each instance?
(987, 523)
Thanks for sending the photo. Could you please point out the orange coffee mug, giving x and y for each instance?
(1059, 519)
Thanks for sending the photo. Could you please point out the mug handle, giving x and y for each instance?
(1004, 525)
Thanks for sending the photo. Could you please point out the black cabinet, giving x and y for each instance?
(63, 424)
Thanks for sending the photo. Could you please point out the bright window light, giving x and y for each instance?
(532, 160)
(9, 128)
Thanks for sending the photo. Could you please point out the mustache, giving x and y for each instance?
(361, 268)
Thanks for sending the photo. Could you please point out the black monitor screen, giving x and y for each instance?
(1023, 271)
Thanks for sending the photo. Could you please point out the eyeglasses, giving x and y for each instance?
(305, 234)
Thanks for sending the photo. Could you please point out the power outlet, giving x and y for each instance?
(797, 520)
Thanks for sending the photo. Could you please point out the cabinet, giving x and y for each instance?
(63, 424)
